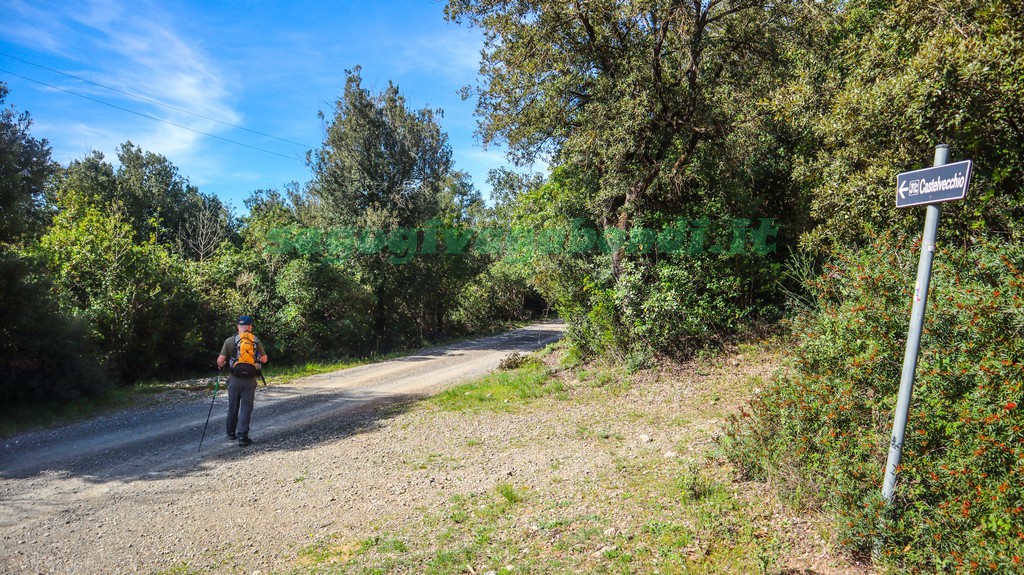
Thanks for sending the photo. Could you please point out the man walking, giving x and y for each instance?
(244, 350)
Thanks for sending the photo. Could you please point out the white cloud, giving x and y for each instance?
(86, 138)
(34, 26)
(134, 48)
(454, 53)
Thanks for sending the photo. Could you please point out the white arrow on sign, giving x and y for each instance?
(902, 189)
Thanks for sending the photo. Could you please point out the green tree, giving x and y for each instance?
(25, 165)
(626, 91)
(239, 276)
(323, 311)
(150, 194)
(649, 112)
(155, 196)
(140, 309)
(887, 81)
(381, 163)
(386, 170)
(90, 180)
(44, 356)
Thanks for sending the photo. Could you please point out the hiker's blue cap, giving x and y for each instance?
(245, 320)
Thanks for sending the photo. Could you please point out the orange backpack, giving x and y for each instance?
(244, 363)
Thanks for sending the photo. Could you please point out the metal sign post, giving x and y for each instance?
(938, 184)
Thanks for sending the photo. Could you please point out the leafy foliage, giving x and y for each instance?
(323, 312)
(958, 503)
(883, 84)
(44, 355)
(25, 165)
(47, 358)
(125, 289)
(650, 112)
(502, 293)
(386, 168)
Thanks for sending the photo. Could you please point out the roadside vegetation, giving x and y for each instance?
(504, 390)
(824, 427)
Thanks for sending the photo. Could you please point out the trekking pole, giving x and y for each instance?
(216, 386)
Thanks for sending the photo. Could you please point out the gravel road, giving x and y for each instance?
(129, 493)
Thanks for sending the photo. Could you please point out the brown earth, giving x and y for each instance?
(355, 472)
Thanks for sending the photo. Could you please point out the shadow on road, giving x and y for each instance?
(161, 442)
(170, 446)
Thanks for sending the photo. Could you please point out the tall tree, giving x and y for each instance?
(90, 179)
(381, 163)
(30, 321)
(386, 167)
(649, 111)
(624, 90)
(141, 310)
(156, 196)
(149, 193)
(25, 165)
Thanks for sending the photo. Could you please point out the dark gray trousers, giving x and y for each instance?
(241, 395)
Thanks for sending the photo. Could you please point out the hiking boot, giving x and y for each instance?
(232, 436)
(244, 441)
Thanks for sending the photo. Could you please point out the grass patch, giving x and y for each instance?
(685, 521)
(502, 391)
(510, 493)
(383, 545)
(179, 569)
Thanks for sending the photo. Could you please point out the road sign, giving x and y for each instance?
(933, 185)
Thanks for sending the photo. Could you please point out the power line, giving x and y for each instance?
(151, 101)
(148, 116)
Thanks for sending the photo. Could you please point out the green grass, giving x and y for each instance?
(179, 569)
(383, 544)
(510, 493)
(502, 391)
(682, 522)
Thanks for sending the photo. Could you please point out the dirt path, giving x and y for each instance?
(128, 493)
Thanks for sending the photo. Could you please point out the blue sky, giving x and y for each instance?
(266, 66)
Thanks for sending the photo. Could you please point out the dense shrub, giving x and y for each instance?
(678, 306)
(323, 312)
(960, 496)
(132, 293)
(500, 294)
(671, 307)
(45, 356)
